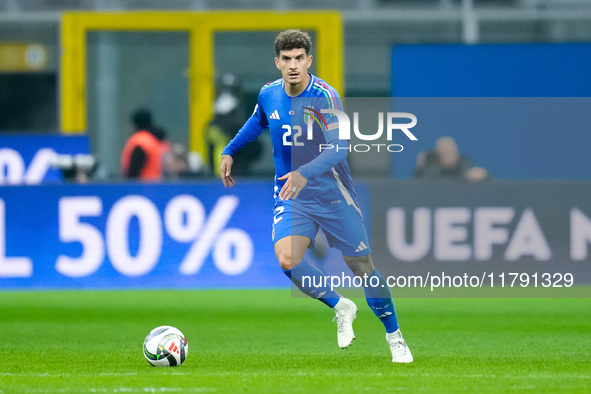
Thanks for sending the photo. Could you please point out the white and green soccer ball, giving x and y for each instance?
(166, 346)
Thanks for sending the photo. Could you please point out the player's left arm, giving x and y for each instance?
(335, 153)
(294, 183)
(324, 162)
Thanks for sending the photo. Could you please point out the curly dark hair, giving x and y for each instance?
(293, 39)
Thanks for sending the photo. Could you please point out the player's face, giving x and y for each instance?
(294, 65)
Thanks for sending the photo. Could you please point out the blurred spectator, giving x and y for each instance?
(142, 154)
(445, 162)
(229, 116)
(175, 163)
(78, 168)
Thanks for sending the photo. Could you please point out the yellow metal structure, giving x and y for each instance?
(201, 27)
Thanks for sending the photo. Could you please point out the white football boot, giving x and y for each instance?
(346, 312)
(399, 348)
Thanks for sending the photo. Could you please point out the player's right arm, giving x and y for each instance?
(253, 127)
(226, 170)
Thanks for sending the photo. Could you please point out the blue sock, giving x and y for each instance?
(311, 284)
(380, 301)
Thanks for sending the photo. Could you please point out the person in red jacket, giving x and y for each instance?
(142, 154)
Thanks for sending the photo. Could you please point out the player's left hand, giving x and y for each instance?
(294, 183)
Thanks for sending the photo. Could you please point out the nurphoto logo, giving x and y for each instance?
(343, 124)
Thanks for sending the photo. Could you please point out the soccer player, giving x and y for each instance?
(313, 188)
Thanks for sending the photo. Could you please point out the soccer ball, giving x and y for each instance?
(165, 346)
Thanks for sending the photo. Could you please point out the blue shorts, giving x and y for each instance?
(344, 228)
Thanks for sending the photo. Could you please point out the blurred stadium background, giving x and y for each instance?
(73, 71)
(119, 79)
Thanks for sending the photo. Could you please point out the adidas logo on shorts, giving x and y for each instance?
(361, 247)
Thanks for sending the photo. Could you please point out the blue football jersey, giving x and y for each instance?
(305, 139)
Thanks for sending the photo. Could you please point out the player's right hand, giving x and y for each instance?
(226, 170)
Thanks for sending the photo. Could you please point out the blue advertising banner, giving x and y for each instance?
(492, 70)
(502, 235)
(540, 110)
(510, 137)
(27, 159)
(137, 236)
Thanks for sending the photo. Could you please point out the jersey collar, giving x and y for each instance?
(310, 83)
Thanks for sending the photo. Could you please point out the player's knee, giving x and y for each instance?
(286, 260)
(360, 266)
(290, 251)
(360, 270)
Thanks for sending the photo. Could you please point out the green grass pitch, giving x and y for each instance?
(267, 341)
